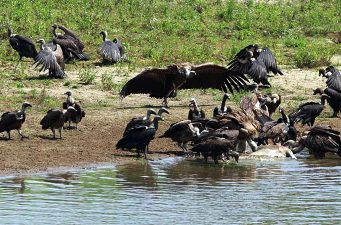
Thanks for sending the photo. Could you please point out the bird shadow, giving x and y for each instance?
(41, 77)
(48, 137)
(103, 64)
(4, 138)
(170, 152)
(159, 106)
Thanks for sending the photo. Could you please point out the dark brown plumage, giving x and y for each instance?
(219, 111)
(195, 113)
(163, 83)
(272, 103)
(23, 45)
(307, 112)
(333, 98)
(14, 120)
(75, 116)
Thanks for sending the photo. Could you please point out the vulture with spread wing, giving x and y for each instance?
(255, 62)
(163, 83)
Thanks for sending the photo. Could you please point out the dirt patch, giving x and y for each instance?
(103, 126)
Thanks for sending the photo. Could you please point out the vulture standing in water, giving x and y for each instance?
(70, 44)
(164, 83)
(144, 120)
(182, 132)
(195, 113)
(23, 45)
(216, 147)
(112, 51)
(50, 57)
(219, 111)
(255, 62)
(14, 120)
(307, 112)
(54, 119)
(320, 139)
(139, 137)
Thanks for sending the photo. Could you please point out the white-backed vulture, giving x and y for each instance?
(163, 83)
(23, 45)
(14, 120)
(111, 51)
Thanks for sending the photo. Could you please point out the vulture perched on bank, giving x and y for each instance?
(320, 139)
(182, 132)
(144, 120)
(164, 83)
(75, 116)
(55, 118)
(139, 137)
(256, 62)
(112, 51)
(23, 45)
(333, 77)
(50, 58)
(307, 112)
(69, 100)
(70, 43)
(195, 113)
(14, 120)
(219, 111)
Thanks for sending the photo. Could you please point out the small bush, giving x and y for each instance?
(313, 56)
(87, 76)
(107, 82)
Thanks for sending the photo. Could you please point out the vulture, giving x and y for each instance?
(256, 62)
(254, 102)
(195, 113)
(14, 120)
(69, 100)
(163, 83)
(70, 44)
(216, 147)
(275, 131)
(139, 137)
(75, 115)
(182, 132)
(272, 103)
(307, 112)
(333, 77)
(333, 98)
(144, 120)
(50, 57)
(219, 111)
(23, 45)
(320, 139)
(55, 118)
(112, 51)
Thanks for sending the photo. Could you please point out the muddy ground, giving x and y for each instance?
(102, 127)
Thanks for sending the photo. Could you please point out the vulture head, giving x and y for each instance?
(162, 110)
(104, 35)
(150, 112)
(10, 32)
(25, 105)
(183, 69)
(318, 91)
(193, 104)
(322, 72)
(54, 26)
(274, 98)
(226, 97)
(68, 93)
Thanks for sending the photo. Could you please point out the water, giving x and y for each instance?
(175, 191)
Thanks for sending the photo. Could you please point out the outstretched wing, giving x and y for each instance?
(242, 60)
(258, 72)
(46, 60)
(214, 76)
(154, 82)
(69, 45)
(269, 61)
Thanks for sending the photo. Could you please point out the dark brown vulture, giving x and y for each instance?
(195, 113)
(163, 83)
(75, 115)
(71, 46)
(23, 45)
(181, 132)
(272, 103)
(320, 139)
(255, 62)
(71, 34)
(333, 98)
(14, 120)
(139, 137)
(112, 51)
(333, 77)
(55, 118)
(50, 58)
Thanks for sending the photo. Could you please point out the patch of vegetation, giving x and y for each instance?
(87, 76)
(107, 82)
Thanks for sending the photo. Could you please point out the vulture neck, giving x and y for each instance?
(104, 34)
(285, 117)
(70, 101)
(155, 124)
(223, 104)
(149, 113)
(323, 99)
(23, 109)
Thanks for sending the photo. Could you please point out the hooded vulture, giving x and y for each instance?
(14, 120)
(163, 83)
(320, 139)
(139, 137)
(255, 62)
(195, 113)
(70, 44)
(23, 45)
(50, 58)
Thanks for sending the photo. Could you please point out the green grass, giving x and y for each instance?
(163, 32)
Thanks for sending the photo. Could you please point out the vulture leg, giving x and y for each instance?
(215, 158)
(145, 152)
(252, 144)
(206, 158)
(138, 153)
(9, 135)
(54, 133)
(241, 146)
(22, 136)
(60, 133)
(335, 113)
(69, 125)
(165, 102)
(235, 155)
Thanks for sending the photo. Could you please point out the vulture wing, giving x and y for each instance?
(8, 120)
(46, 59)
(70, 45)
(258, 72)
(110, 51)
(334, 80)
(214, 76)
(242, 60)
(50, 118)
(154, 82)
(269, 61)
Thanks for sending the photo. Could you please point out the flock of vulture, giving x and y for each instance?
(226, 134)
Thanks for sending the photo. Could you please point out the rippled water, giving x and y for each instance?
(175, 191)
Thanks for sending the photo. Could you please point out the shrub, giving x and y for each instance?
(87, 76)
(313, 56)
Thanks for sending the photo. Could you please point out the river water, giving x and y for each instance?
(177, 191)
